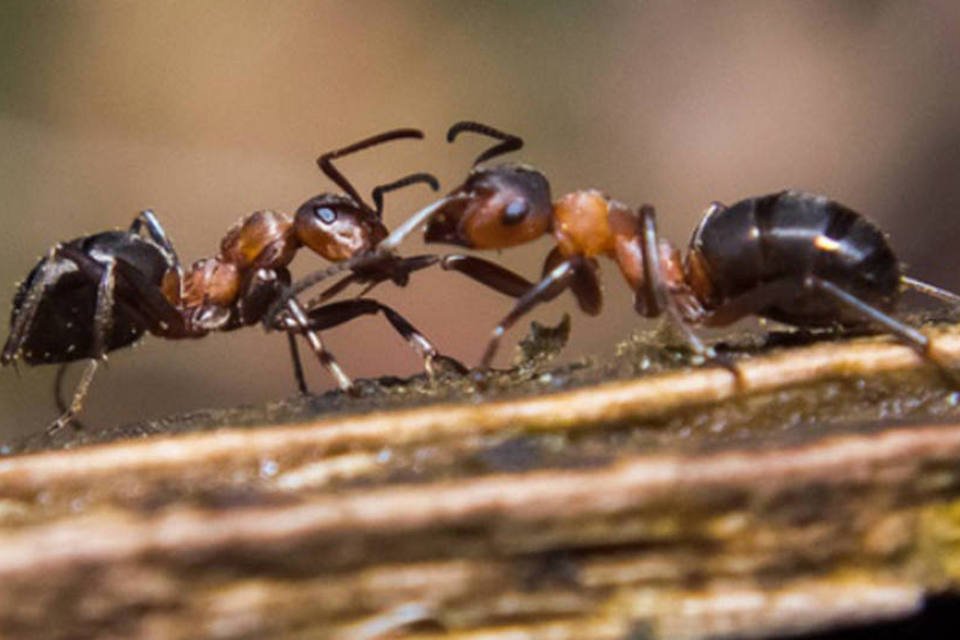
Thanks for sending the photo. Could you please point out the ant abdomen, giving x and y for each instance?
(60, 319)
(761, 251)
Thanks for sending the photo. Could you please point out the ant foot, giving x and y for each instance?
(439, 364)
(724, 360)
(480, 378)
(63, 421)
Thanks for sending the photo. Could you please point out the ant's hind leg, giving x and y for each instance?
(707, 353)
(930, 290)
(148, 219)
(906, 333)
(58, 399)
(658, 296)
(76, 403)
(102, 324)
(297, 365)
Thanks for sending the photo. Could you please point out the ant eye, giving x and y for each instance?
(516, 211)
(326, 214)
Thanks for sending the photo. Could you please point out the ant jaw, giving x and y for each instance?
(445, 228)
(424, 216)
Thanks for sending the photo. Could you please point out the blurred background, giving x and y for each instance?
(207, 111)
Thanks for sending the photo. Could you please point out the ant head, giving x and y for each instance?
(495, 208)
(337, 227)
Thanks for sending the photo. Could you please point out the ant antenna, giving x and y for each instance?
(413, 178)
(325, 162)
(509, 142)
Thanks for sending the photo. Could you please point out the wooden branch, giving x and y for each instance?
(682, 504)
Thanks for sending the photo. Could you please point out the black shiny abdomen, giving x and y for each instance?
(63, 327)
(786, 237)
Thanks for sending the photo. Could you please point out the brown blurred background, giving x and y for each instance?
(207, 111)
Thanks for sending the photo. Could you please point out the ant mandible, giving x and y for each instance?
(103, 292)
(794, 257)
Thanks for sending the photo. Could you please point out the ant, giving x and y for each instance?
(102, 292)
(794, 257)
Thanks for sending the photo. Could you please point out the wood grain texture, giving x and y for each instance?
(821, 488)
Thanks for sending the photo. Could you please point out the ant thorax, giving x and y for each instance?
(581, 224)
(262, 239)
(212, 287)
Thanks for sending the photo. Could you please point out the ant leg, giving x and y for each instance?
(334, 289)
(337, 313)
(258, 293)
(487, 273)
(58, 393)
(547, 289)
(152, 308)
(102, 323)
(45, 274)
(659, 296)
(161, 317)
(585, 286)
(364, 261)
(930, 290)
(299, 322)
(157, 234)
(906, 333)
(103, 314)
(58, 387)
(76, 404)
(586, 289)
(386, 267)
(297, 365)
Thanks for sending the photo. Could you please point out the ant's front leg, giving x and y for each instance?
(383, 268)
(907, 334)
(487, 273)
(260, 291)
(552, 285)
(337, 313)
(297, 320)
(258, 302)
